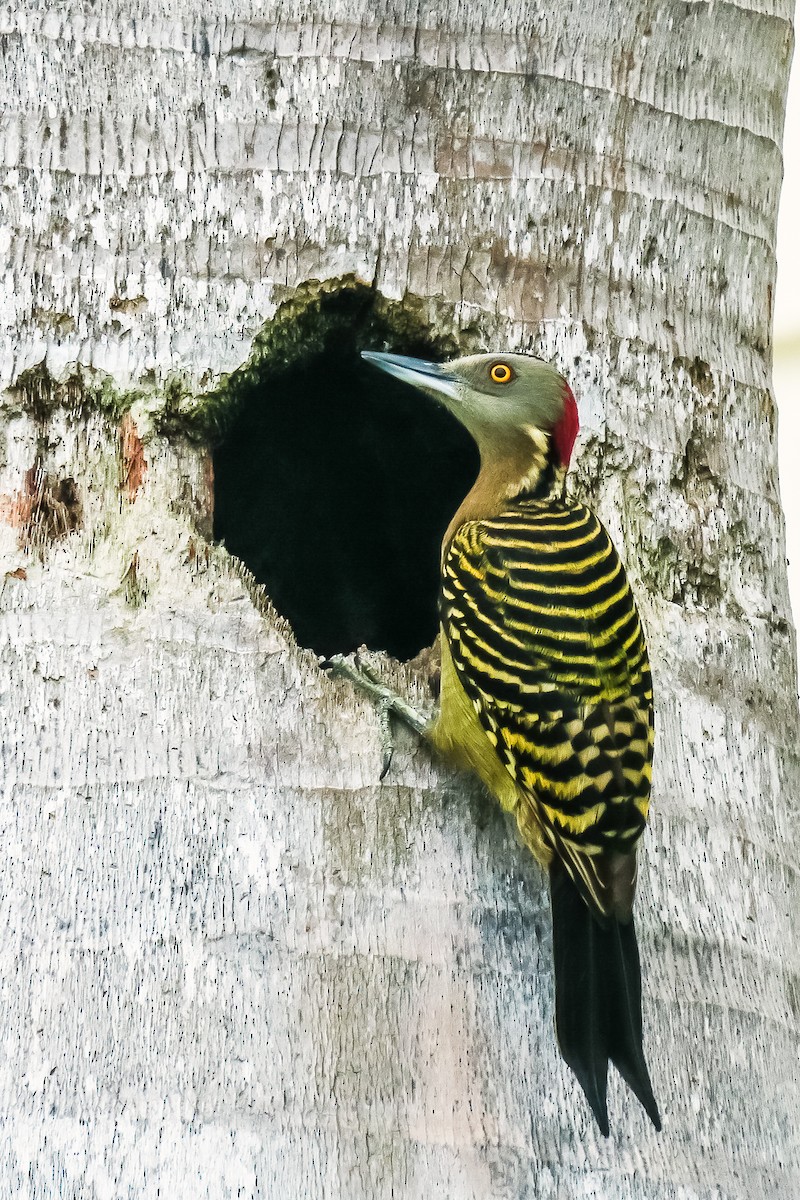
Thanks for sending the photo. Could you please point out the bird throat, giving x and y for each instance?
(525, 467)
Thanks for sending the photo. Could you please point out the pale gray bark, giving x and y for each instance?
(233, 963)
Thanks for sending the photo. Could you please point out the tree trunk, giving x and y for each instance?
(234, 963)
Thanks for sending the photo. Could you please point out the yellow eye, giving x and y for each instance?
(500, 373)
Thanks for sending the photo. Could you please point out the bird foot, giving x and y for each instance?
(388, 703)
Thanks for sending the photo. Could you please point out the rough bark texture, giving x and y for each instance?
(231, 962)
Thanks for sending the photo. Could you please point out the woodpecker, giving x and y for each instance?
(546, 691)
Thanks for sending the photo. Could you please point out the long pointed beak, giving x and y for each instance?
(429, 376)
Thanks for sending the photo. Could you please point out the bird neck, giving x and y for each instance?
(523, 467)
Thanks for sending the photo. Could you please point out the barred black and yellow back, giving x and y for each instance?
(546, 641)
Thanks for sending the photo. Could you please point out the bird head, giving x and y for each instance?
(496, 397)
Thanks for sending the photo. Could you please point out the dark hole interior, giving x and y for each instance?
(335, 483)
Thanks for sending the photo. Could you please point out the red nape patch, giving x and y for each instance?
(566, 430)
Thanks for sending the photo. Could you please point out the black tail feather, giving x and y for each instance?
(625, 1007)
(598, 999)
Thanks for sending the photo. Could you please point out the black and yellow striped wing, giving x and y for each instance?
(547, 644)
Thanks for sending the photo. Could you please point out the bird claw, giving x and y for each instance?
(388, 703)
(388, 751)
(384, 706)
